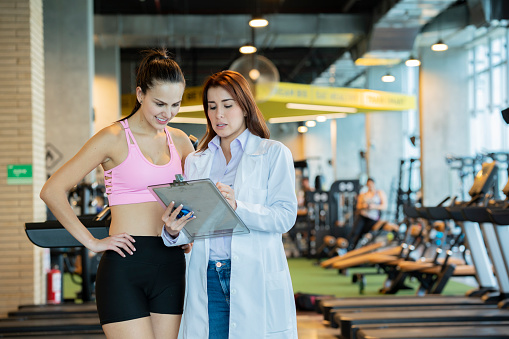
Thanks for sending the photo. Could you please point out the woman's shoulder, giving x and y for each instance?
(111, 133)
(108, 142)
(181, 141)
(178, 136)
(272, 146)
(176, 133)
(274, 150)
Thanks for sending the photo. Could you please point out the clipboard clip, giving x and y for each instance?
(179, 181)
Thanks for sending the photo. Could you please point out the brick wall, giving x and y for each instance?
(22, 141)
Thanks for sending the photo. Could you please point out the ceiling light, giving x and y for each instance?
(193, 108)
(388, 78)
(310, 123)
(412, 62)
(247, 49)
(186, 120)
(302, 129)
(439, 46)
(299, 118)
(321, 118)
(376, 61)
(258, 22)
(254, 74)
(322, 108)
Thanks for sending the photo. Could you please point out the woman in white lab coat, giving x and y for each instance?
(240, 286)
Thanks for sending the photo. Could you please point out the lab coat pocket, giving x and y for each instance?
(278, 303)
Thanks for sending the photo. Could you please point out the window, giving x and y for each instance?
(488, 78)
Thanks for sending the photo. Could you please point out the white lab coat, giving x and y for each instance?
(261, 294)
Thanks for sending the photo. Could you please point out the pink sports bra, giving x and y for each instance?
(127, 183)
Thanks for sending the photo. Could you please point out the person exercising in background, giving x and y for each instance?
(370, 205)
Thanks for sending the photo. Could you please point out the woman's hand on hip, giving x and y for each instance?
(172, 222)
(228, 193)
(115, 242)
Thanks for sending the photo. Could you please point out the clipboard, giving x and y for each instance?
(214, 215)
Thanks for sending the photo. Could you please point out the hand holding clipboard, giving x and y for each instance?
(214, 215)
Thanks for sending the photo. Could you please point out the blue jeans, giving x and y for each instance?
(218, 291)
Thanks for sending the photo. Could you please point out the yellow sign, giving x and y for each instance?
(362, 99)
(274, 100)
(192, 96)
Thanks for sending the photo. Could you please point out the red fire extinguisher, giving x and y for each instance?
(54, 286)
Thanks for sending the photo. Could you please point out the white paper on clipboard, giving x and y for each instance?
(214, 215)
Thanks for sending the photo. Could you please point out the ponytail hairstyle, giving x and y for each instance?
(238, 87)
(156, 67)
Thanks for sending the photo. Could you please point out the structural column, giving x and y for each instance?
(22, 161)
(69, 67)
(445, 121)
(385, 137)
(350, 141)
(106, 87)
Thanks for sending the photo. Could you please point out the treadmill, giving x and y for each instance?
(15, 327)
(51, 234)
(422, 319)
(329, 306)
(53, 311)
(72, 321)
(350, 322)
(500, 217)
(432, 331)
(474, 220)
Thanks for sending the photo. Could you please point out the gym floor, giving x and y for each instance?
(309, 326)
(308, 277)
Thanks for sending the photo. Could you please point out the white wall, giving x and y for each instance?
(69, 69)
(444, 119)
(106, 94)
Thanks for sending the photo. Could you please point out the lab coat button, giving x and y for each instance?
(234, 325)
(233, 291)
(235, 257)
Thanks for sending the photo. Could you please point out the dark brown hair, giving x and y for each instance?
(156, 67)
(238, 87)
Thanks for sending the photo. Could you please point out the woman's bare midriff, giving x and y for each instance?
(143, 219)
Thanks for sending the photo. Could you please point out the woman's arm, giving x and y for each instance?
(383, 201)
(360, 202)
(54, 193)
(182, 143)
(171, 226)
(279, 212)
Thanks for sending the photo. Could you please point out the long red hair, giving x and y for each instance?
(237, 86)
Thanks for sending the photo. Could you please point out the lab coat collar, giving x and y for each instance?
(215, 143)
(253, 147)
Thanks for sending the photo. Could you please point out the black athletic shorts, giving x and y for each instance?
(150, 280)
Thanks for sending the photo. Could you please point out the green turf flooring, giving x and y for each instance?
(308, 277)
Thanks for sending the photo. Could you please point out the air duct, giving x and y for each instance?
(485, 11)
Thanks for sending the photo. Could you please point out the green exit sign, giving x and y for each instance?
(19, 174)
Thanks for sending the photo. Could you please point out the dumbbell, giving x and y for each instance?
(329, 240)
(439, 226)
(390, 227)
(415, 230)
(342, 243)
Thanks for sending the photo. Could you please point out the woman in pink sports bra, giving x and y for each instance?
(140, 282)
